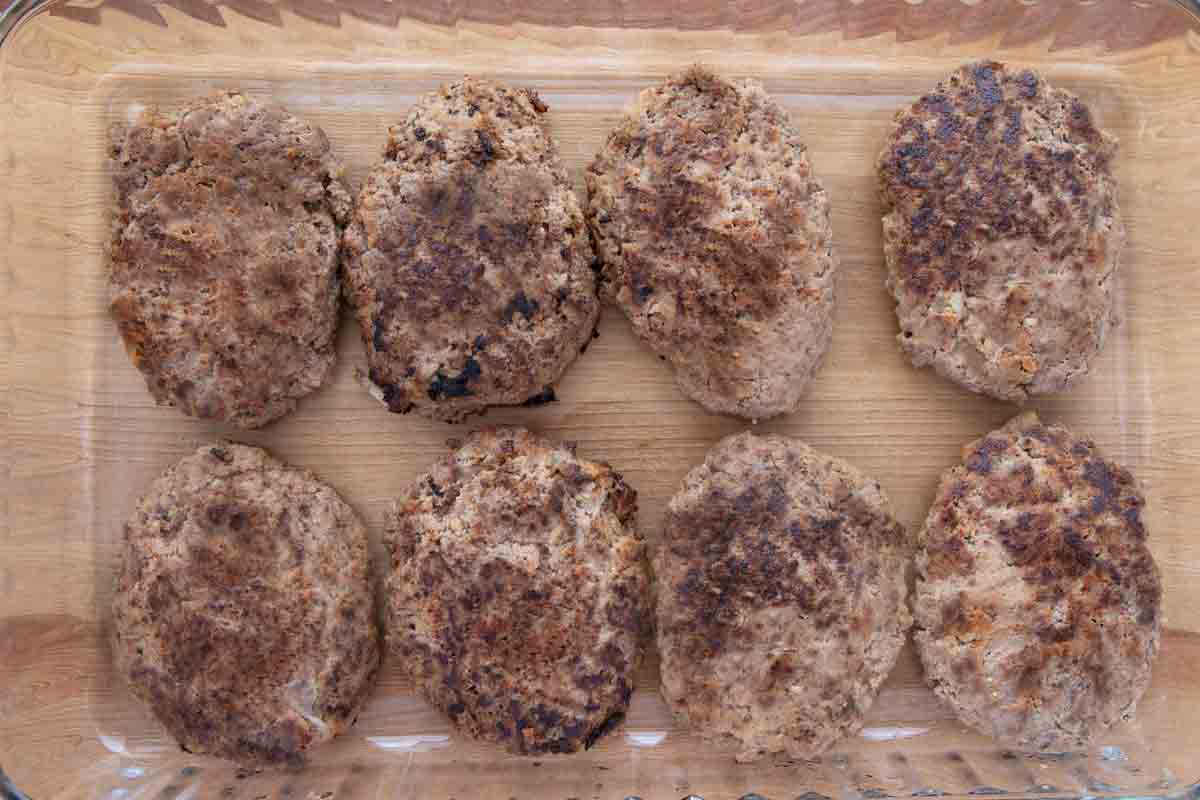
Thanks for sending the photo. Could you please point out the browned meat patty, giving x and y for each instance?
(1002, 233)
(782, 597)
(518, 595)
(468, 262)
(243, 615)
(1037, 601)
(223, 260)
(715, 240)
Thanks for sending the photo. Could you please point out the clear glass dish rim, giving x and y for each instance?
(16, 12)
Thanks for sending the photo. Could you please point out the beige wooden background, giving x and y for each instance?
(81, 438)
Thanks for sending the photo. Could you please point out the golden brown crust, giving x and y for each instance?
(223, 260)
(781, 597)
(1038, 602)
(715, 240)
(243, 615)
(467, 260)
(517, 598)
(1002, 231)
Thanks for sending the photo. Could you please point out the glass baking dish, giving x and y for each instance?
(81, 437)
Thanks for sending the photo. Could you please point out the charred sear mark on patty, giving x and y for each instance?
(755, 548)
(1071, 592)
(223, 269)
(782, 596)
(522, 639)
(228, 623)
(709, 266)
(520, 305)
(542, 398)
(468, 233)
(1002, 232)
(458, 385)
(959, 165)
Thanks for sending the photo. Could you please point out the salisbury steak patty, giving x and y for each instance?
(1001, 232)
(1037, 602)
(517, 599)
(243, 615)
(223, 260)
(468, 262)
(781, 597)
(715, 241)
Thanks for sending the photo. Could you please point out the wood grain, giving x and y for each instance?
(1066, 24)
(82, 438)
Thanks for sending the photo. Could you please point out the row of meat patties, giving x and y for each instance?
(476, 275)
(520, 597)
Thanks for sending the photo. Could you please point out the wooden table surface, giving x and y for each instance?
(81, 438)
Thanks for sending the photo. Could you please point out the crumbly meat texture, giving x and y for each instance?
(468, 262)
(224, 254)
(518, 593)
(1002, 233)
(1037, 602)
(715, 240)
(782, 597)
(243, 615)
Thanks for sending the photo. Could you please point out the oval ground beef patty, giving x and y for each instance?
(1037, 602)
(243, 615)
(1001, 231)
(468, 262)
(782, 597)
(517, 598)
(715, 240)
(223, 260)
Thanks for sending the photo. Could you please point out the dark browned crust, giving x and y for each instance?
(223, 260)
(717, 266)
(1069, 580)
(468, 261)
(518, 596)
(243, 615)
(768, 526)
(993, 155)
(759, 535)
